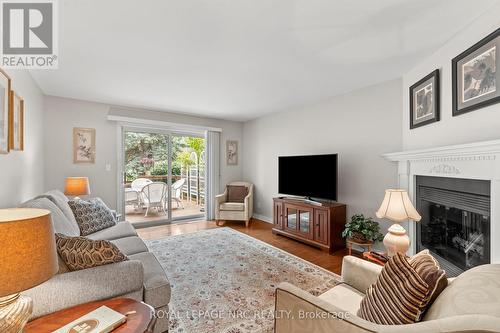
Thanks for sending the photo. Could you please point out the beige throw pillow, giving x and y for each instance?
(405, 289)
(81, 253)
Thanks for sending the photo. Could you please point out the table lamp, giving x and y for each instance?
(76, 186)
(398, 208)
(28, 258)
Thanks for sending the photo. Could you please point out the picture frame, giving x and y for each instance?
(84, 145)
(475, 78)
(16, 122)
(425, 100)
(232, 152)
(5, 87)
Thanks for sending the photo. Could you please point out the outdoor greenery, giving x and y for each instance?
(362, 228)
(147, 153)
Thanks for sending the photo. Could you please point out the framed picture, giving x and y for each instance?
(424, 101)
(475, 77)
(16, 131)
(232, 152)
(4, 112)
(83, 145)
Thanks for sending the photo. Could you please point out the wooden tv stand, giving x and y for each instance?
(316, 224)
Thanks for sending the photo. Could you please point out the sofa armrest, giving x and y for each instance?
(92, 284)
(298, 311)
(359, 273)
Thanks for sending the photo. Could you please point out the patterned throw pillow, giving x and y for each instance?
(406, 287)
(92, 215)
(81, 253)
(236, 193)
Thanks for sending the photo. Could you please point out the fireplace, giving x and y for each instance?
(455, 223)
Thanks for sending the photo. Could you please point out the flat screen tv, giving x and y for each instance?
(311, 176)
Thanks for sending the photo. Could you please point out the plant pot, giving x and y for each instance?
(358, 238)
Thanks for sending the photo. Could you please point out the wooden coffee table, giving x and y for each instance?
(142, 321)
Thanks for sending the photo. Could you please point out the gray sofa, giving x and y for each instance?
(141, 277)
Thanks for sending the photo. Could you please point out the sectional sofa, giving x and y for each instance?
(141, 277)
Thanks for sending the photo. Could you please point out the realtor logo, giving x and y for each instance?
(28, 34)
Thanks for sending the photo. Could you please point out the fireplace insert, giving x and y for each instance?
(455, 223)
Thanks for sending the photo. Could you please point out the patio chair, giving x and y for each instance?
(176, 192)
(154, 196)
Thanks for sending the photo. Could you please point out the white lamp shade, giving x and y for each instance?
(397, 207)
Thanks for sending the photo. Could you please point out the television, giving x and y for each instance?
(311, 176)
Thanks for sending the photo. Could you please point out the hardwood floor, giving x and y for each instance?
(257, 229)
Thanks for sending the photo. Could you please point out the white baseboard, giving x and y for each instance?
(263, 218)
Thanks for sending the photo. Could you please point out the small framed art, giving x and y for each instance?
(475, 77)
(424, 101)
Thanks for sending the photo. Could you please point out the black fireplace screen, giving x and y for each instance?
(455, 223)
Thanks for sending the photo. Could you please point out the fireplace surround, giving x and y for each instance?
(451, 169)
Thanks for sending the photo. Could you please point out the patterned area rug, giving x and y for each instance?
(224, 281)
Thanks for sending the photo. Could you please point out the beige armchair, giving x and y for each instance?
(470, 303)
(234, 211)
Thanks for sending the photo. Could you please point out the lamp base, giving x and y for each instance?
(396, 240)
(15, 311)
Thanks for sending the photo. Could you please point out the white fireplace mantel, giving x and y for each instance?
(478, 160)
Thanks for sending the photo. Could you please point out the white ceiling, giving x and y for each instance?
(240, 59)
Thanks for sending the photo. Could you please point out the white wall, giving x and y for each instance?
(360, 126)
(21, 172)
(63, 114)
(482, 124)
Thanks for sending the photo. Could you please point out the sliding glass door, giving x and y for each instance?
(163, 176)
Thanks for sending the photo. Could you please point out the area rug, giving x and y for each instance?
(224, 281)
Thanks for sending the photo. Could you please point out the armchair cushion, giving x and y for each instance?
(236, 193)
(345, 296)
(232, 206)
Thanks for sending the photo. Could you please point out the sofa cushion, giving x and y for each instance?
(232, 206)
(476, 291)
(402, 293)
(236, 193)
(91, 216)
(80, 253)
(59, 221)
(156, 285)
(61, 201)
(344, 296)
(119, 230)
(130, 245)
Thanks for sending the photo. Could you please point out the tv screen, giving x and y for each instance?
(312, 176)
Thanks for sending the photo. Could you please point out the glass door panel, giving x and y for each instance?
(146, 176)
(305, 219)
(188, 177)
(291, 218)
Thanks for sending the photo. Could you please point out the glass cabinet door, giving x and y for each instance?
(304, 221)
(291, 218)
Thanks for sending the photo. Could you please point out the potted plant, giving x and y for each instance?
(362, 229)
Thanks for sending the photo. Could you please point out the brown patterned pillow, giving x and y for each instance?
(406, 287)
(81, 253)
(236, 193)
(92, 215)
